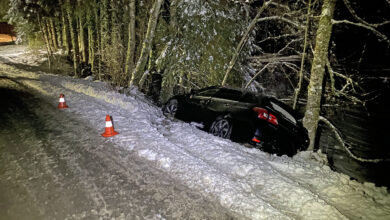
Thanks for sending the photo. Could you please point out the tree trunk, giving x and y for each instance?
(83, 37)
(104, 27)
(91, 48)
(53, 33)
(146, 46)
(46, 39)
(315, 88)
(130, 55)
(92, 29)
(173, 14)
(58, 24)
(47, 30)
(114, 8)
(74, 38)
(98, 48)
(65, 30)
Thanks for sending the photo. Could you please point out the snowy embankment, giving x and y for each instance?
(247, 181)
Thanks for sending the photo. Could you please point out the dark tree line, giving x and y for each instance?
(99, 34)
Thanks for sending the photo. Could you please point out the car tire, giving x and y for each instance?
(221, 127)
(170, 109)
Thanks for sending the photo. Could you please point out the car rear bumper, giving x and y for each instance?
(268, 134)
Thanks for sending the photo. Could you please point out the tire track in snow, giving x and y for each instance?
(104, 158)
(347, 212)
(72, 161)
(89, 186)
(71, 157)
(231, 180)
(173, 154)
(90, 92)
(27, 130)
(254, 170)
(24, 191)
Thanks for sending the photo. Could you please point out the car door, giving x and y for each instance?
(198, 104)
(225, 101)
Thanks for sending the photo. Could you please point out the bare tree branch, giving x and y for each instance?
(288, 45)
(257, 74)
(354, 14)
(368, 27)
(265, 58)
(281, 19)
(349, 83)
(288, 78)
(281, 6)
(276, 37)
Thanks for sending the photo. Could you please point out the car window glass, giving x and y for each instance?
(229, 94)
(250, 98)
(283, 112)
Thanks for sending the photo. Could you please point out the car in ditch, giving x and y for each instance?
(242, 116)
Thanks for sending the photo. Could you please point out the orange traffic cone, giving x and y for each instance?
(62, 103)
(109, 128)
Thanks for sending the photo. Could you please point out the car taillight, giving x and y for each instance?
(264, 115)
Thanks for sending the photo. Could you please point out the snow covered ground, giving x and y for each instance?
(244, 183)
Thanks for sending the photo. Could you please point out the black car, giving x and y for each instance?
(242, 116)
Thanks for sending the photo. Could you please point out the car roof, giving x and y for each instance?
(225, 88)
(246, 95)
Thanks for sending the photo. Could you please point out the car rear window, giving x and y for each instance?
(283, 112)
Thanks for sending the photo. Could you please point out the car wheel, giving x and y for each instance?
(221, 127)
(170, 109)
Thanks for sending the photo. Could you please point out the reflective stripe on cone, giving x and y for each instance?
(109, 131)
(62, 104)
